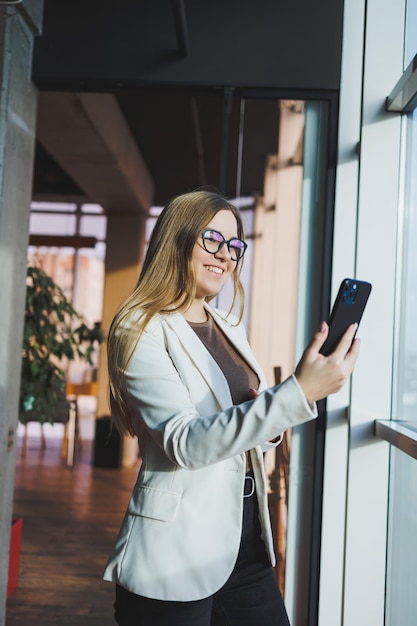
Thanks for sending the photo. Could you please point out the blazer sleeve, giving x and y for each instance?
(161, 403)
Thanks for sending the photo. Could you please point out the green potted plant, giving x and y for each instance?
(54, 333)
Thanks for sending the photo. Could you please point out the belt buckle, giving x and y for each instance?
(252, 487)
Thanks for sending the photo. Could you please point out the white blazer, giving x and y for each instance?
(180, 537)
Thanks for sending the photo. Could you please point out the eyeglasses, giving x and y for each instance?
(213, 242)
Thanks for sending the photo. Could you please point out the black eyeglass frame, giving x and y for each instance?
(226, 242)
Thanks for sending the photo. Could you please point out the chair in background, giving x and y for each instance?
(72, 435)
(69, 417)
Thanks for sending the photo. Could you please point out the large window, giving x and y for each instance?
(68, 242)
(401, 601)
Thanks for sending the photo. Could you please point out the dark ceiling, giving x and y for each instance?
(180, 71)
(188, 138)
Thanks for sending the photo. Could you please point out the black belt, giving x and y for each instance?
(249, 486)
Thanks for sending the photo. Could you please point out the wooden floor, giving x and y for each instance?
(70, 519)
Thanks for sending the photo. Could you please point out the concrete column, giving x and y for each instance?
(124, 249)
(18, 26)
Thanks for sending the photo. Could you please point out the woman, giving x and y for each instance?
(195, 547)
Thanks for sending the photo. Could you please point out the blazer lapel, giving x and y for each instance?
(202, 359)
(235, 337)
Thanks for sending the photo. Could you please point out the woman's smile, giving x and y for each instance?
(213, 270)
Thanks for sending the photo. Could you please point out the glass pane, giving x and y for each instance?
(407, 349)
(93, 226)
(55, 207)
(410, 32)
(92, 208)
(401, 600)
(402, 544)
(301, 592)
(53, 224)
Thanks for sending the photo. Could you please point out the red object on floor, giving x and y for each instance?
(14, 557)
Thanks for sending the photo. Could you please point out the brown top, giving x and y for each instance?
(239, 375)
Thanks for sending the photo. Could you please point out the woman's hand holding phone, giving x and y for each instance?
(319, 375)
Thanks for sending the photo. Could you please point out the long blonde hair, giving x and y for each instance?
(166, 285)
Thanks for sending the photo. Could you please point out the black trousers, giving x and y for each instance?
(250, 597)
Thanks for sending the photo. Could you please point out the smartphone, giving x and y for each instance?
(348, 308)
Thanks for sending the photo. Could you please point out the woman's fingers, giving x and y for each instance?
(346, 352)
(319, 338)
(319, 375)
(345, 344)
